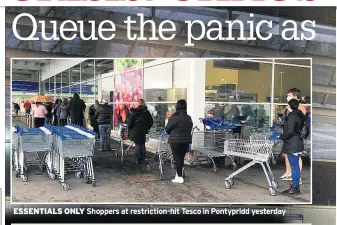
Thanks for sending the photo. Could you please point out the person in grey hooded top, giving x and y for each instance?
(64, 113)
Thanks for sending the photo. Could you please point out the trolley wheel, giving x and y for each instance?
(24, 178)
(78, 175)
(65, 186)
(274, 184)
(234, 167)
(272, 191)
(215, 170)
(51, 175)
(231, 181)
(93, 183)
(161, 176)
(227, 184)
(148, 167)
(126, 154)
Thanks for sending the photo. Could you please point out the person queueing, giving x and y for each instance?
(93, 118)
(39, 113)
(292, 93)
(139, 124)
(179, 129)
(104, 119)
(64, 113)
(293, 143)
(27, 107)
(56, 112)
(76, 108)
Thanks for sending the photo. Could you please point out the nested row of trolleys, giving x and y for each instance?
(71, 148)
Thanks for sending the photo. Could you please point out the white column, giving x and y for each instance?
(196, 90)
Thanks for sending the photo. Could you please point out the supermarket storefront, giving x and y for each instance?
(253, 87)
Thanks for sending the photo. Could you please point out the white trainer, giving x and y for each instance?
(286, 176)
(178, 180)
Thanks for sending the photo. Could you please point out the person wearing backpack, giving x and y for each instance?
(293, 143)
(292, 93)
(103, 114)
(139, 124)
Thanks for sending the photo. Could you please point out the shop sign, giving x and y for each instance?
(25, 86)
(156, 95)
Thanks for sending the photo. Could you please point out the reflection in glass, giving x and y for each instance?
(238, 81)
(160, 112)
(286, 77)
(254, 115)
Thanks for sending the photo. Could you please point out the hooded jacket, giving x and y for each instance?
(76, 107)
(291, 136)
(103, 114)
(139, 124)
(64, 113)
(179, 127)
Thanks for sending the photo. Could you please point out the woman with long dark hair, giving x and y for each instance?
(179, 127)
(293, 143)
(39, 113)
(93, 118)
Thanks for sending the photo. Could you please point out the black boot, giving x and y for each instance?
(292, 190)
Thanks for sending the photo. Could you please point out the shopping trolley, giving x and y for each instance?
(73, 152)
(123, 135)
(256, 150)
(32, 141)
(267, 133)
(210, 144)
(163, 153)
(15, 148)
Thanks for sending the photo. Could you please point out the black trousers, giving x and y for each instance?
(39, 122)
(78, 122)
(56, 121)
(63, 122)
(179, 151)
(140, 152)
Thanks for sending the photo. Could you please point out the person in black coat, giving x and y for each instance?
(293, 143)
(49, 108)
(179, 127)
(139, 124)
(76, 108)
(104, 119)
(93, 118)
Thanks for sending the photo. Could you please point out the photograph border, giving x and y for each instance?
(255, 59)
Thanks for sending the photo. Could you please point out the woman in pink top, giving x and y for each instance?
(39, 112)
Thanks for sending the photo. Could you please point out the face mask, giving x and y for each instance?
(289, 98)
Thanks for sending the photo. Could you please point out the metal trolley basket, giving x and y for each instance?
(267, 134)
(256, 150)
(15, 146)
(164, 153)
(123, 135)
(71, 153)
(32, 150)
(211, 145)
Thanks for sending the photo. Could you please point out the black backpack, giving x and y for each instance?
(305, 132)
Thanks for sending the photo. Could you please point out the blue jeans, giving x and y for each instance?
(295, 169)
(104, 139)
